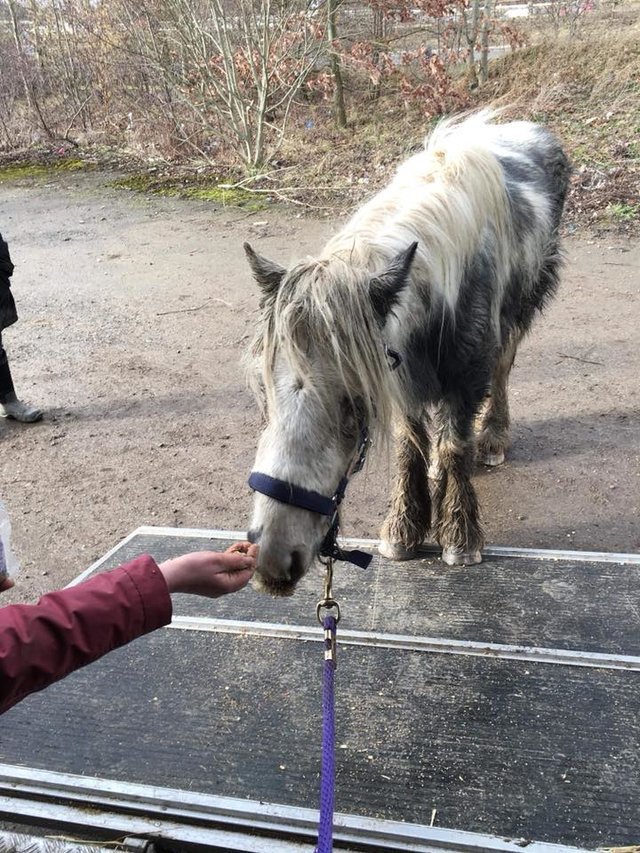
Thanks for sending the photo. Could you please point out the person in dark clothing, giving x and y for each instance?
(10, 405)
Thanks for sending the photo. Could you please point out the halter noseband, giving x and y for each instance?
(289, 493)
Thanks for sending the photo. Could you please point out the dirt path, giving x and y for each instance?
(134, 315)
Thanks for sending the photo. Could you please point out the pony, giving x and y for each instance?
(443, 270)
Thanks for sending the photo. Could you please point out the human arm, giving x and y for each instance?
(41, 643)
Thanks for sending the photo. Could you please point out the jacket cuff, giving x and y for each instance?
(151, 588)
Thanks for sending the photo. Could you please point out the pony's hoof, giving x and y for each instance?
(396, 551)
(492, 459)
(457, 557)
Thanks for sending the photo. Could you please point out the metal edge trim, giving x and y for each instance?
(513, 551)
(168, 803)
(94, 566)
(427, 550)
(407, 642)
(194, 532)
(138, 826)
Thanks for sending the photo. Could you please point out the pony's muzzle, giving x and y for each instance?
(279, 567)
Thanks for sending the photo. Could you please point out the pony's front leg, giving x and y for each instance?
(457, 520)
(409, 518)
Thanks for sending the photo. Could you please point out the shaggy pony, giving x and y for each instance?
(447, 266)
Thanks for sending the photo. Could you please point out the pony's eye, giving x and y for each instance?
(353, 406)
(348, 416)
(346, 406)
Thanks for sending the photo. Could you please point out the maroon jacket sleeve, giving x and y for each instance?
(40, 643)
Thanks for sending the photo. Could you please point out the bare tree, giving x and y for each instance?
(339, 109)
(220, 78)
(470, 30)
(485, 29)
(23, 64)
(234, 66)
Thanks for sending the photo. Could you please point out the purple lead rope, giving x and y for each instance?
(327, 772)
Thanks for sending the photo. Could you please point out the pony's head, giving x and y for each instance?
(322, 378)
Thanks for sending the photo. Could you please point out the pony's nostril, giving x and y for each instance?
(297, 565)
(254, 535)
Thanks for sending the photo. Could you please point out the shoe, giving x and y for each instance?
(20, 411)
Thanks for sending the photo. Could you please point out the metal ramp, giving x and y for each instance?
(490, 708)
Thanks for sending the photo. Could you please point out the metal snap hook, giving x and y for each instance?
(328, 602)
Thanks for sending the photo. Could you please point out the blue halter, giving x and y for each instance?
(289, 493)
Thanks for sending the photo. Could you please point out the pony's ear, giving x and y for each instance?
(386, 286)
(266, 273)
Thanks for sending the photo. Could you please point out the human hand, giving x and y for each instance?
(6, 583)
(211, 573)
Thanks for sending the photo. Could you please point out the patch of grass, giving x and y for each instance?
(205, 190)
(621, 212)
(16, 171)
(227, 196)
(328, 170)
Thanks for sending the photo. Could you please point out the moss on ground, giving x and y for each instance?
(25, 170)
(227, 196)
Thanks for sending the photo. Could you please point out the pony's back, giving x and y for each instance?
(475, 183)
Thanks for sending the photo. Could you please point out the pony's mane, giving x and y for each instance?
(444, 197)
(447, 198)
(322, 314)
